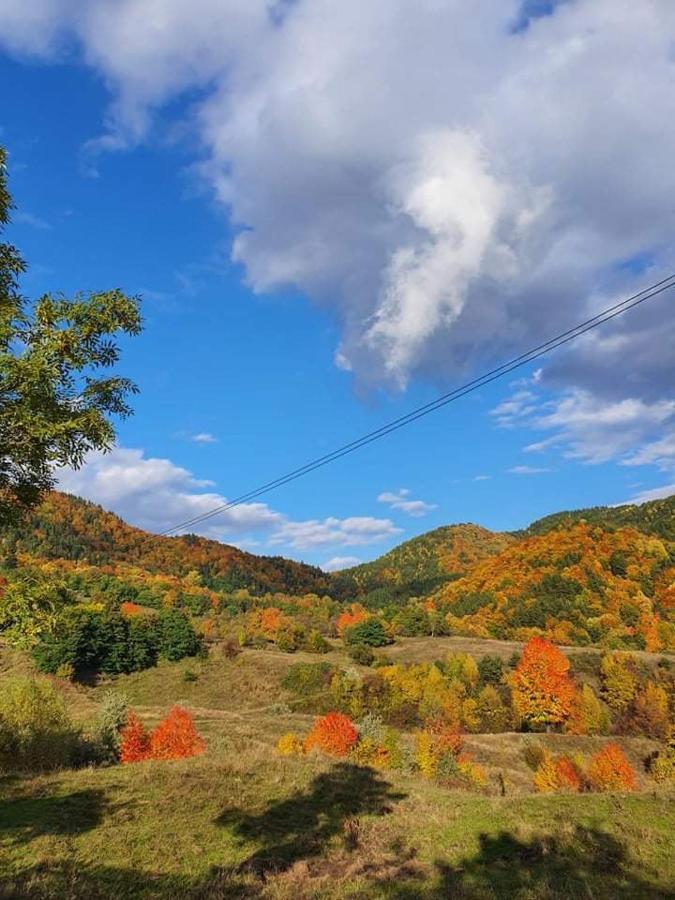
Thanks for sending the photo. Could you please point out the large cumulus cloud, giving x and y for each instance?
(455, 181)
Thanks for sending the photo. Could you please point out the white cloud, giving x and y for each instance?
(156, 494)
(454, 189)
(204, 438)
(21, 217)
(340, 562)
(659, 493)
(353, 531)
(482, 477)
(401, 500)
(528, 470)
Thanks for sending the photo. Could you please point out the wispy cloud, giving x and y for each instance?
(203, 437)
(482, 477)
(21, 217)
(401, 500)
(528, 470)
(340, 562)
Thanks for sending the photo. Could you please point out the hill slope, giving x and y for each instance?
(578, 583)
(67, 527)
(420, 565)
(655, 517)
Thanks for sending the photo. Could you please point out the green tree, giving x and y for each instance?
(370, 632)
(56, 400)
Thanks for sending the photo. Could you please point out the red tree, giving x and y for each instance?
(135, 743)
(333, 733)
(176, 737)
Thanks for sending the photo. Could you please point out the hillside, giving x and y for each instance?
(422, 564)
(655, 517)
(67, 527)
(579, 584)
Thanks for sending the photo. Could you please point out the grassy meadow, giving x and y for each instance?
(241, 821)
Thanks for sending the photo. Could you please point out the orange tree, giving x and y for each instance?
(543, 691)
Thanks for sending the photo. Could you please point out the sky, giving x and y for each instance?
(335, 212)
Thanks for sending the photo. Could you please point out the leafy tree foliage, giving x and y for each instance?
(55, 406)
(36, 733)
(543, 691)
(369, 632)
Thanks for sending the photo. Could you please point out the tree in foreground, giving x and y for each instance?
(56, 397)
(176, 737)
(543, 691)
(333, 733)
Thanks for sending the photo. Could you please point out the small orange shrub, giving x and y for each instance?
(135, 741)
(567, 775)
(176, 737)
(351, 617)
(129, 609)
(609, 770)
(333, 733)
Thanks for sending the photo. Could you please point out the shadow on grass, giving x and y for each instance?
(24, 818)
(301, 826)
(587, 864)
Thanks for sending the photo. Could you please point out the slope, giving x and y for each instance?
(67, 527)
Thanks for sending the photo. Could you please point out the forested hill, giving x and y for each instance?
(655, 517)
(422, 564)
(67, 527)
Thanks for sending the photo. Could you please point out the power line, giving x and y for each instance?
(553, 343)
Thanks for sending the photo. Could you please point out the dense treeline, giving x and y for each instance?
(66, 527)
(655, 517)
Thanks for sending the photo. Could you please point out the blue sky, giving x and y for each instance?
(245, 374)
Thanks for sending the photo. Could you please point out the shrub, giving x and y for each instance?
(556, 774)
(333, 733)
(609, 770)
(176, 737)
(490, 669)
(112, 717)
(36, 733)
(533, 754)
(662, 764)
(588, 715)
(371, 726)
(370, 632)
(650, 711)
(315, 642)
(362, 654)
(290, 745)
(134, 741)
(308, 678)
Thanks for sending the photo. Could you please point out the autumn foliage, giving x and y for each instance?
(350, 617)
(609, 770)
(135, 741)
(333, 733)
(543, 691)
(174, 738)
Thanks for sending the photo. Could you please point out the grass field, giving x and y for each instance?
(242, 822)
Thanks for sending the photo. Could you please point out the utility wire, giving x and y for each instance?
(553, 343)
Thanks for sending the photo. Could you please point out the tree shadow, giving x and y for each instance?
(24, 818)
(301, 826)
(586, 864)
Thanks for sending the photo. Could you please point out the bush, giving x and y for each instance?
(609, 770)
(490, 669)
(107, 736)
(315, 642)
(533, 754)
(36, 733)
(176, 737)
(308, 678)
(135, 741)
(333, 733)
(362, 654)
(290, 745)
(370, 632)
